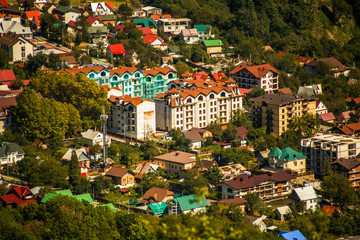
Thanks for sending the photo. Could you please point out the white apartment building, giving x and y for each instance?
(172, 25)
(328, 146)
(260, 76)
(196, 107)
(132, 117)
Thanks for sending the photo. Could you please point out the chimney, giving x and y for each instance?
(177, 154)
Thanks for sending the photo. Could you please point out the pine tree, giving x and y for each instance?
(74, 171)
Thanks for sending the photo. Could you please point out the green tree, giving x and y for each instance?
(152, 179)
(181, 67)
(4, 58)
(64, 3)
(100, 186)
(125, 10)
(180, 142)
(192, 181)
(213, 175)
(306, 125)
(74, 171)
(240, 119)
(232, 155)
(149, 150)
(216, 130)
(230, 133)
(254, 203)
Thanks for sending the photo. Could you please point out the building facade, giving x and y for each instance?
(132, 117)
(349, 168)
(172, 25)
(287, 159)
(18, 48)
(10, 154)
(270, 186)
(275, 111)
(144, 83)
(196, 107)
(175, 161)
(328, 147)
(261, 76)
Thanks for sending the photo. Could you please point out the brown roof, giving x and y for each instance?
(117, 172)
(330, 210)
(348, 163)
(327, 116)
(285, 90)
(257, 70)
(158, 194)
(9, 39)
(68, 59)
(238, 201)
(276, 99)
(242, 132)
(245, 181)
(177, 157)
(333, 62)
(195, 134)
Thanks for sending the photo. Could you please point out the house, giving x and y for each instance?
(80, 154)
(196, 136)
(48, 8)
(276, 111)
(157, 208)
(28, 16)
(204, 31)
(351, 129)
(84, 197)
(348, 168)
(311, 90)
(115, 92)
(95, 137)
(354, 103)
(260, 76)
(213, 47)
(102, 8)
(175, 161)
(306, 195)
(15, 27)
(281, 212)
(330, 210)
(149, 10)
(241, 135)
(336, 67)
(187, 204)
(18, 47)
(7, 77)
(69, 61)
(190, 36)
(94, 21)
(327, 117)
(145, 30)
(345, 116)
(109, 205)
(172, 26)
(137, 12)
(17, 196)
(4, 3)
(67, 192)
(115, 51)
(67, 14)
(287, 158)
(9, 12)
(132, 117)
(146, 22)
(316, 150)
(320, 107)
(121, 176)
(292, 235)
(144, 168)
(156, 194)
(10, 154)
(155, 42)
(269, 186)
(240, 202)
(231, 171)
(257, 222)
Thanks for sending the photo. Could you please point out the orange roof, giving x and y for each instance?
(126, 99)
(150, 38)
(31, 14)
(156, 70)
(123, 69)
(257, 70)
(173, 90)
(186, 74)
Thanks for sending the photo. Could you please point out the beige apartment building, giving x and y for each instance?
(328, 147)
(172, 25)
(275, 111)
(189, 108)
(175, 161)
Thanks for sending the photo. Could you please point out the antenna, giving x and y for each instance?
(104, 118)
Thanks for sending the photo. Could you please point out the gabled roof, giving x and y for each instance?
(158, 208)
(90, 134)
(157, 194)
(178, 157)
(242, 132)
(117, 172)
(213, 43)
(238, 201)
(327, 116)
(304, 193)
(31, 14)
(10, 39)
(72, 24)
(145, 30)
(275, 152)
(4, 3)
(257, 70)
(146, 22)
(7, 75)
(190, 202)
(110, 205)
(68, 59)
(347, 163)
(191, 32)
(283, 210)
(17, 195)
(150, 38)
(90, 20)
(84, 197)
(117, 49)
(292, 235)
(333, 62)
(202, 28)
(347, 114)
(289, 154)
(9, 148)
(330, 210)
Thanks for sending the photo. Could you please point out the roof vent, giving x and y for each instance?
(177, 154)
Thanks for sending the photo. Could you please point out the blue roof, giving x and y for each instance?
(292, 235)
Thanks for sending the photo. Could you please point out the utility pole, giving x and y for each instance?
(104, 118)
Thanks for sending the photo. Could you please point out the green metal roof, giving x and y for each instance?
(275, 152)
(189, 202)
(110, 205)
(201, 28)
(289, 154)
(213, 43)
(158, 208)
(49, 196)
(84, 197)
(65, 192)
(145, 21)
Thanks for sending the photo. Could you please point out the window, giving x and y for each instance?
(170, 75)
(124, 180)
(137, 75)
(103, 74)
(230, 190)
(126, 76)
(200, 98)
(222, 94)
(189, 100)
(212, 96)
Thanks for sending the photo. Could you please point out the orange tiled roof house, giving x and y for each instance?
(144, 83)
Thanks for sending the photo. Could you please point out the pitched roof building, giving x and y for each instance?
(18, 47)
(287, 158)
(175, 161)
(156, 194)
(335, 66)
(349, 168)
(18, 196)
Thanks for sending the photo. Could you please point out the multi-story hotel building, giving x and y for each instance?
(275, 111)
(132, 117)
(196, 107)
(328, 147)
(260, 76)
(173, 25)
(144, 83)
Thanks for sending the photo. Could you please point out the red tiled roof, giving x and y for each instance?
(72, 24)
(16, 194)
(7, 75)
(245, 181)
(145, 30)
(119, 27)
(110, 5)
(327, 117)
(150, 38)
(218, 76)
(4, 2)
(329, 210)
(284, 90)
(350, 129)
(117, 49)
(90, 20)
(31, 14)
(356, 100)
(257, 70)
(186, 74)
(347, 114)
(238, 201)
(348, 163)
